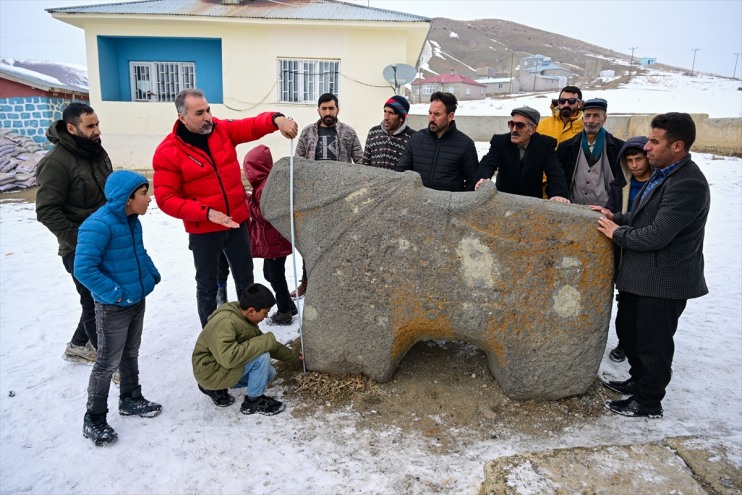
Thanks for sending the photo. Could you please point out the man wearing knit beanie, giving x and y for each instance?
(386, 141)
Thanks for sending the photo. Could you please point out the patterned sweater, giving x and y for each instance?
(383, 150)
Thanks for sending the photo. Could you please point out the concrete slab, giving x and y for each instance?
(646, 469)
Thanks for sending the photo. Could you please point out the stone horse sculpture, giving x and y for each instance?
(391, 262)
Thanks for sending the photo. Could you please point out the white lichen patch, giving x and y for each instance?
(355, 195)
(567, 302)
(570, 262)
(478, 263)
(309, 313)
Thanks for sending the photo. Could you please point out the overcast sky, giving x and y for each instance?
(666, 29)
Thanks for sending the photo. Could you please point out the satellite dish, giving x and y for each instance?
(399, 74)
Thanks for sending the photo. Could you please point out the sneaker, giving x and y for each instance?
(137, 405)
(281, 318)
(302, 289)
(267, 406)
(116, 378)
(617, 355)
(79, 353)
(221, 398)
(221, 296)
(96, 428)
(630, 407)
(626, 387)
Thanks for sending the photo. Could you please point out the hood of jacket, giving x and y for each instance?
(119, 187)
(57, 135)
(257, 165)
(636, 142)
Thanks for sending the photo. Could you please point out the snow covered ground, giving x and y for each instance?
(655, 92)
(193, 447)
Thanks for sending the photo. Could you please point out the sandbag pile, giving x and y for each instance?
(19, 156)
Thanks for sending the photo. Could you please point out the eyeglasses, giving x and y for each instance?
(517, 125)
(571, 101)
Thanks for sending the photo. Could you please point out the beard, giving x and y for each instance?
(329, 120)
(592, 128)
(566, 112)
(206, 128)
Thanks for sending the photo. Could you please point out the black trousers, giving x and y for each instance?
(86, 325)
(274, 271)
(646, 327)
(206, 248)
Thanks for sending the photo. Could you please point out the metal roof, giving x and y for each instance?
(38, 80)
(251, 9)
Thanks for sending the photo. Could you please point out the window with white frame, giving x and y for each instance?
(160, 81)
(305, 80)
(468, 91)
(428, 89)
(451, 89)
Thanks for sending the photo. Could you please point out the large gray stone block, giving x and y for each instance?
(391, 262)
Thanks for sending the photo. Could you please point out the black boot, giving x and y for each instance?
(96, 428)
(137, 405)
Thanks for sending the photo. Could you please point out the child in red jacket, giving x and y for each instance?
(265, 241)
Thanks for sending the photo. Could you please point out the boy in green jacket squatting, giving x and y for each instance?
(232, 352)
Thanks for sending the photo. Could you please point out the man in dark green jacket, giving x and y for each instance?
(232, 352)
(71, 179)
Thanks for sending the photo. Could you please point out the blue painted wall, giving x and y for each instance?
(32, 115)
(115, 53)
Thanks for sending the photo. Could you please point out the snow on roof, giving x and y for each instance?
(13, 70)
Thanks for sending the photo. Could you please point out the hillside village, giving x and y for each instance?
(475, 60)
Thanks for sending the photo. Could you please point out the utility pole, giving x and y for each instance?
(694, 50)
(631, 64)
(736, 56)
(512, 59)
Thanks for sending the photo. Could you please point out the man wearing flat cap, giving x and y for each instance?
(590, 159)
(386, 141)
(521, 157)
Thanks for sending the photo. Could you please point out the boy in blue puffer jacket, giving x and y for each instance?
(112, 263)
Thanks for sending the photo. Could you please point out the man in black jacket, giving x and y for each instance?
(590, 159)
(661, 264)
(71, 179)
(521, 157)
(445, 157)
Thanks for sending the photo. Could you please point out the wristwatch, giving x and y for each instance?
(275, 116)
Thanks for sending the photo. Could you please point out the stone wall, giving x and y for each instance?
(31, 116)
(717, 135)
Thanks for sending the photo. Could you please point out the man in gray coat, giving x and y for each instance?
(661, 267)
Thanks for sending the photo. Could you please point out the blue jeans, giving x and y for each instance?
(86, 326)
(206, 248)
(119, 337)
(258, 373)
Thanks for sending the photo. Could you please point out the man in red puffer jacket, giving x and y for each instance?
(197, 179)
